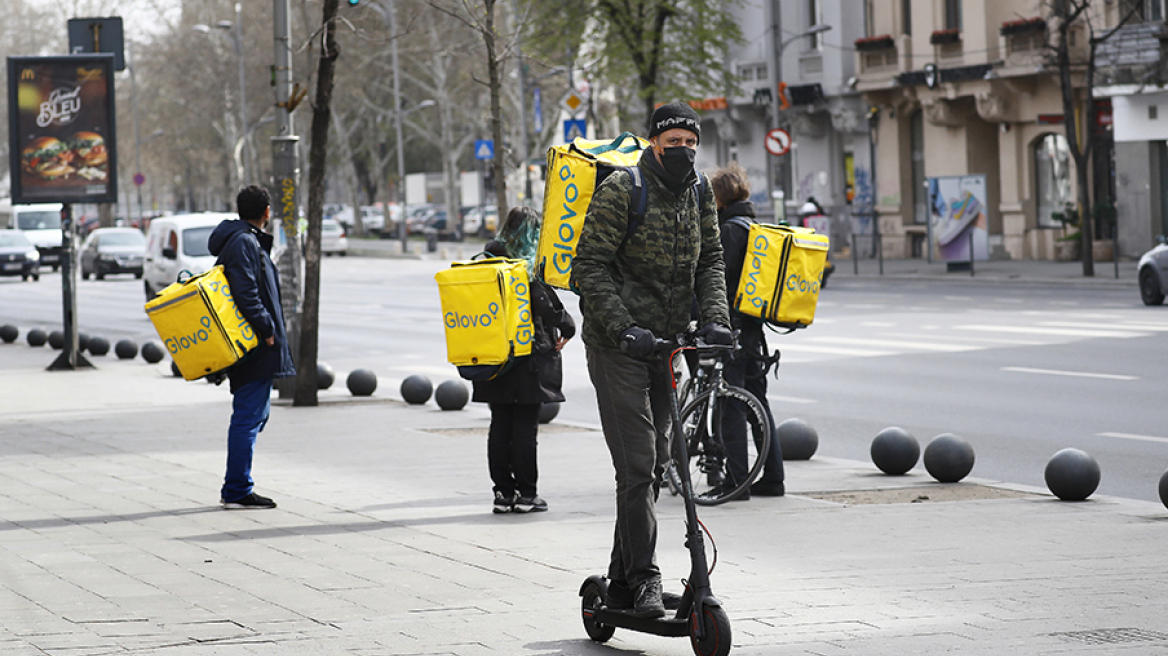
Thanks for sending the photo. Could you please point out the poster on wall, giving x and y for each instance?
(958, 219)
(61, 132)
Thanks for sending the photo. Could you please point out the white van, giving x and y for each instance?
(178, 245)
(40, 223)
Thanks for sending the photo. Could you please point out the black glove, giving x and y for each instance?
(638, 342)
(567, 326)
(716, 333)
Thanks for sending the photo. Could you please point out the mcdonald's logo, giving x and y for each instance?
(27, 74)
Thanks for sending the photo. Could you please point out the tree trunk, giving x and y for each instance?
(498, 165)
(306, 386)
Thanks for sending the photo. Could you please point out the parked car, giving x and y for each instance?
(41, 224)
(416, 217)
(178, 245)
(1153, 274)
(18, 256)
(473, 224)
(332, 238)
(113, 250)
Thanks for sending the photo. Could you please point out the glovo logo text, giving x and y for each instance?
(183, 342)
(524, 331)
(564, 246)
(241, 324)
(455, 319)
(758, 253)
(797, 283)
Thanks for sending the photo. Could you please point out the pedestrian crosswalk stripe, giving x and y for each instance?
(1062, 332)
(831, 350)
(1131, 436)
(1121, 326)
(891, 343)
(1074, 374)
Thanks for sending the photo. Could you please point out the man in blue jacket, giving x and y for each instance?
(244, 250)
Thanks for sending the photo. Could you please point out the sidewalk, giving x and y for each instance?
(384, 543)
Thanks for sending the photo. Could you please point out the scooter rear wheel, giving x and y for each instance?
(591, 602)
(717, 628)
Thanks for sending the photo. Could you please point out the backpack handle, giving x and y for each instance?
(615, 144)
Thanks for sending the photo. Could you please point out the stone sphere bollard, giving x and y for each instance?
(98, 345)
(451, 394)
(127, 349)
(36, 337)
(416, 389)
(174, 370)
(362, 382)
(325, 376)
(948, 458)
(82, 342)
(895, 451)
(57, 339)
(1072, 475)
(9, 333)
(152, 352)
(1164, 489)
(548, 412)
(797, 439)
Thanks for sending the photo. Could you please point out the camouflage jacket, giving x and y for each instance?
(651, 279)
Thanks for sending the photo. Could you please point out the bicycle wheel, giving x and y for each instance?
(727, 434)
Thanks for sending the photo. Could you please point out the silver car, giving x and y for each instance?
(1153, 274)
(332, 238)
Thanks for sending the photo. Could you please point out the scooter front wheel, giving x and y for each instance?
(591, 601)
(716, 641)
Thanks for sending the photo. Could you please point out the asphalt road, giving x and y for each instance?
(1017, 370)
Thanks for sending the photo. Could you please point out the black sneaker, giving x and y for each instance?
(530, 504)
(620, 597)
(647, 604)
(504, 503)
(768, 489)
(252, 501)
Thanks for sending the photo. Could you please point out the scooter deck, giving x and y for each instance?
(667, 626)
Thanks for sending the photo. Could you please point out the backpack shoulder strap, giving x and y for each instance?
(741, 222)
(700, 189)
(638, 200)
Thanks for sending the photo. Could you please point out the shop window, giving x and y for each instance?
(953, 14)
(1052, 178)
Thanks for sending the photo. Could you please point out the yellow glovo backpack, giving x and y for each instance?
(200, 325)
(575, 170)
(781, 275)
(486, 308)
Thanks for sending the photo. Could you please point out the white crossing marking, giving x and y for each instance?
(892, 343)
(790, 399)
(1131, 436)
(830, 350)
(877, 324)
(1077, 374)
(1063, 332)
(1122, 326)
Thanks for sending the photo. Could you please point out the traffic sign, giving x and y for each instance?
(575, 127)
(484, 149)
(139, 179)
(573, 102)
(778, 142)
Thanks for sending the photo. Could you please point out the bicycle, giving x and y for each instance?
(706, 398)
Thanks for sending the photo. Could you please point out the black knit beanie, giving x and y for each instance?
(672, 115)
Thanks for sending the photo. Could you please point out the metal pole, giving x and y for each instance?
(286, 185)
(524, 137)
(70, 358)
(403, 231)
(237, 36)
(137, 136)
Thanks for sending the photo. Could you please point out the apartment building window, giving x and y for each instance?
(1142, 10)
(953, 14)
(906, 16)
(815, 14)
(1052, 177)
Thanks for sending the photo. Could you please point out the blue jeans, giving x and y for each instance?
(250, 407)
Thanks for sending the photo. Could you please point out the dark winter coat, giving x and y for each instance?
(244, 251)
(535, 378)
(735, 239)
(649, 279)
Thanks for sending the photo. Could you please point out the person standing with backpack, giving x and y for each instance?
(516, 394)
(635, 286)
(244, 250)
(748, 368)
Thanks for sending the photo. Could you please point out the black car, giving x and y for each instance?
(113, 250)
(18, 257)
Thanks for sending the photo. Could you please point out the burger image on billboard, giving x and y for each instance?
(89, 148)
(48, 158)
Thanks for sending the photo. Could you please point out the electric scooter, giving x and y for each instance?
(700, 615)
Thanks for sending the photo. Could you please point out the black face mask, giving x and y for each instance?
(678, 162)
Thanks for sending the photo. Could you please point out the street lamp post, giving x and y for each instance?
(235, 29)
(776, 77)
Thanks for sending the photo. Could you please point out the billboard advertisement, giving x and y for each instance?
(958, 219)
(61, 129)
